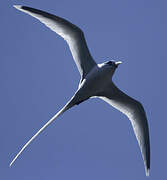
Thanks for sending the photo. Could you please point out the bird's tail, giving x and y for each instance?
(69, 105)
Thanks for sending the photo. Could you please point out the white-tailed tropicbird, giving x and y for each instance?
(96, 81)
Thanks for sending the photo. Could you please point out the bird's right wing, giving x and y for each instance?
(70, 32)
(136, 114)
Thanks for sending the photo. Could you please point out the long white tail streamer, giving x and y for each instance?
(65, 108)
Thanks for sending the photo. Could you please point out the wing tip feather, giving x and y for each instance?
(147, 172)
(19, 7)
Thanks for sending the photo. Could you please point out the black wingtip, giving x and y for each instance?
(19, 7)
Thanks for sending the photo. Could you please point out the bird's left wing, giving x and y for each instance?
(136, 114)
(73, 35)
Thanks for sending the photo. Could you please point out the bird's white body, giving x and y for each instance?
(96, 81)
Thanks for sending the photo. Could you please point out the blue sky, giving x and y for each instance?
(38, 76)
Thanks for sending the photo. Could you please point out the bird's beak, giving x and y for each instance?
(118, 62)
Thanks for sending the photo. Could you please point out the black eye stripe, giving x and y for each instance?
(110, 63)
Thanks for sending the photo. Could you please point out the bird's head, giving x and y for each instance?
(112, 64)
(109, 67)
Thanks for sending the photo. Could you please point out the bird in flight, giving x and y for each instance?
(96, 81)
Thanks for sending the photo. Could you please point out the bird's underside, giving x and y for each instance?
(94, 82)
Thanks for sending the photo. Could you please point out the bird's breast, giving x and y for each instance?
(95, 82)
